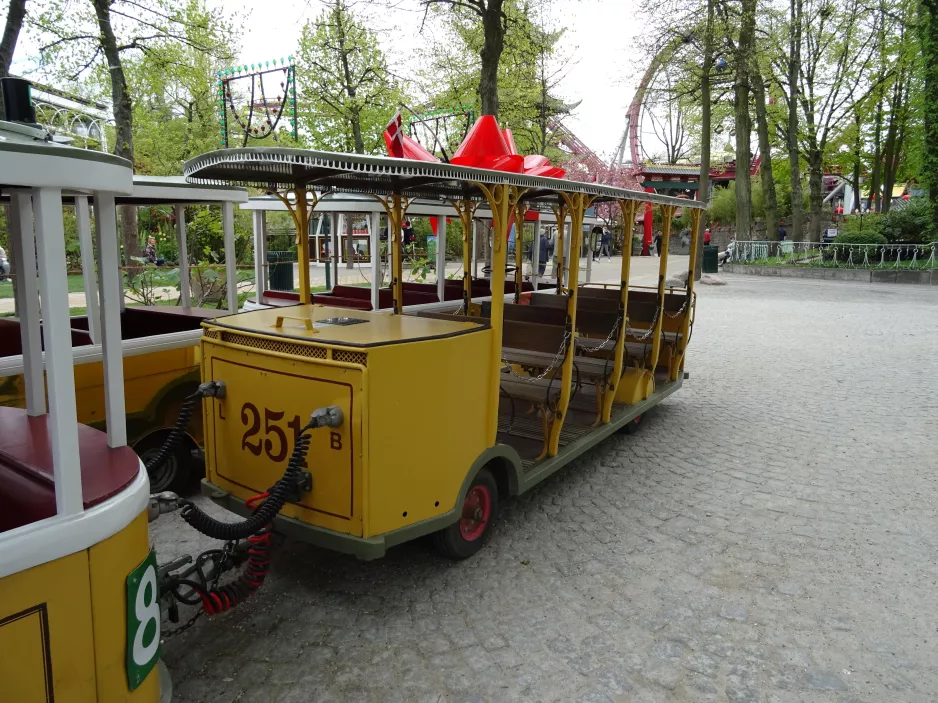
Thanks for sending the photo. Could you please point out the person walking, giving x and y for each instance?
(606, 246)
(658, 242)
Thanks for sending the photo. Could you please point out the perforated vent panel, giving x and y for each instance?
(274, 345)
(350, 357)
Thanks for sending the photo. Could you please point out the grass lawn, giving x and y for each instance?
(76, 284)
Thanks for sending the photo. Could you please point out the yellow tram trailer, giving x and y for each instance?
(441, 378)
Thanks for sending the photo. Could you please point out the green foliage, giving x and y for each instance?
(175, 111)
(867, 236)
(723, 205)
(146, 284)
(870, 222)
(346, 93)
(530, 70)
(911, 223)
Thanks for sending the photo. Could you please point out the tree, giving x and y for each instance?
(928, 38)
(530, 71)
(836, 56)
(706, 130)
(96, 38)
(493, 19)
(745, 49)
(765, 155)
(175, 95)
(11, 31)
(791, 97)
(347, 94)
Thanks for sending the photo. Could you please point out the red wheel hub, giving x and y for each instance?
(476, 511)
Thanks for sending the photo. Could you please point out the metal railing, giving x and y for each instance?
(921, 257)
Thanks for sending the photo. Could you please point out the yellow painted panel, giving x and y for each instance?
(62, 588)
(428, 414)
(111, 561)
(379, 327)
(24, 658)
(146, 377)
(268, 399)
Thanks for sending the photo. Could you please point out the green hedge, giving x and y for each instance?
(865, 237)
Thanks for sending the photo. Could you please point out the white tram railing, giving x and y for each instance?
(834, 255)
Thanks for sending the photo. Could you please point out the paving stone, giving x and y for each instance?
(771, 525)
(824, 681)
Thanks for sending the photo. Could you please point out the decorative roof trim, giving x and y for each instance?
(276, 168)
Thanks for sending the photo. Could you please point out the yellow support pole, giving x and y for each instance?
(397, 281)
(520, 210)
(395, 211)
(501, 199)
(560, 213)
(466, 210)
(629, 208)
(667, 216)
(678, 367)
(576, 203)
(300, 210)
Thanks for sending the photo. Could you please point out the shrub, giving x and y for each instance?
(865, 237)
(870, 222)
(911, 223)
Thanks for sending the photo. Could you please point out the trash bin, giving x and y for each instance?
(711, 262)
(280, 270)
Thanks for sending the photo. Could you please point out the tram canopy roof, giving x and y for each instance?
(348, 203)
(283, 168)
(30, 159)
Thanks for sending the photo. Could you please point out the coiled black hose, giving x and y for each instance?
(209, 389)
(175, 434)
(264, 515)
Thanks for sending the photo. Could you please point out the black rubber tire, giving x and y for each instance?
(176, 474)
(450, 543)
(631, 427)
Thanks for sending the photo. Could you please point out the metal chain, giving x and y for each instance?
(677, 313)
(651, 327)
(559, 356)
(225, 556)
(602, 346)
(182, 628)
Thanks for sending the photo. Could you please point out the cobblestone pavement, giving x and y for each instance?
(768, 535)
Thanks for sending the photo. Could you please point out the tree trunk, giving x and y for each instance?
(815, 194)
(703, 191)
(857, 155)
(765, 158)
(928, 29)
(11, 31)
(744, 49)
(794, 152)
(491, 54)
(893, 145)
(874, 201)
(123, 121)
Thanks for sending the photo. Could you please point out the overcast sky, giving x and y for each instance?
(604, 67)
(601, 42)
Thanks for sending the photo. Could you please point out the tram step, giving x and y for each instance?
(531, 427)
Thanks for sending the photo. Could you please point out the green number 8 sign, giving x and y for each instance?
(143, 621)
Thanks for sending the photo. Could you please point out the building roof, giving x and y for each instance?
(672, 169)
